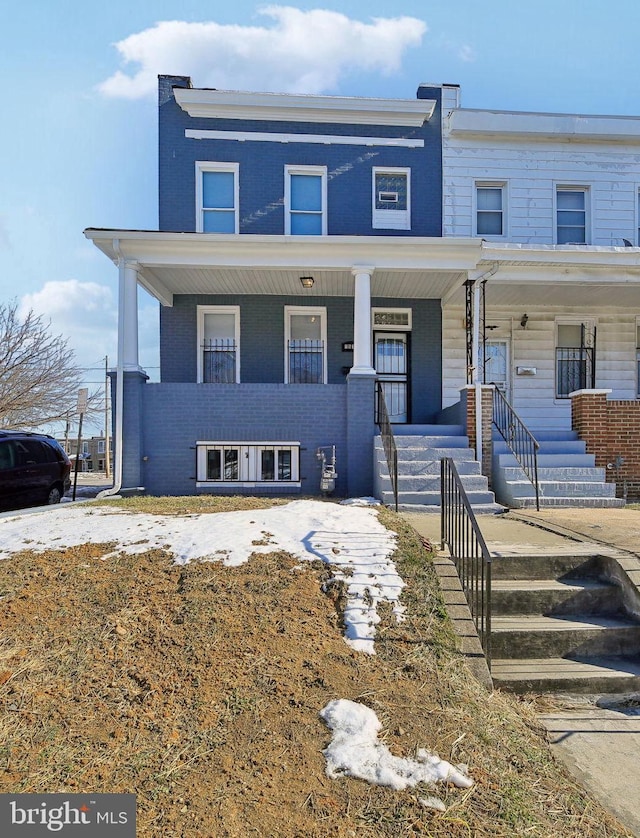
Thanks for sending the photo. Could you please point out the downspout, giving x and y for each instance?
(118, 430)
(475, 357)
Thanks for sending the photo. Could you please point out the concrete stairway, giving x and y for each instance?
(420, 450)
(559, 625)
(567, 475)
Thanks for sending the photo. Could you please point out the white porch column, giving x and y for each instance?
(128, 317)
(362, 322)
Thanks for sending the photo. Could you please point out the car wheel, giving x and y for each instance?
(54, 495)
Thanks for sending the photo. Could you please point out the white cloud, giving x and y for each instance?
(83, 312)
(466, 53)
(302, 52)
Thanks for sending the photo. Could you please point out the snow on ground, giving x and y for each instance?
(349, 538)
(356, 751)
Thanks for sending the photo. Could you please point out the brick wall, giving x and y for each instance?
(611, 429)
(468, 402)
(262, 165)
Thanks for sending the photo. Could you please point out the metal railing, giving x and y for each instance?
(219, 361)
(522, 443)
(388, 440)
(306, 361)
(460, 532)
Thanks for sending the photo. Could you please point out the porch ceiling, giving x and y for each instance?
(200, 263)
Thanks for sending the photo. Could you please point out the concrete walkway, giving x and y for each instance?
(597, 737)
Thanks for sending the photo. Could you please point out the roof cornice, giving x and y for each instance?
(543, 126)
(285, 107)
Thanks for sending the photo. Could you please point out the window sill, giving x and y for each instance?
(247, 484)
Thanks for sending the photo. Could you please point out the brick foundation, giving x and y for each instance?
(611, 430)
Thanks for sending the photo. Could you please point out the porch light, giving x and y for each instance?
(524, 321)
(307, 281)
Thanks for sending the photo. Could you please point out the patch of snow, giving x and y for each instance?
(349, 539)
(356, 751)
(360, 502)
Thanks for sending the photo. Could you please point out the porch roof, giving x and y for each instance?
(562, 275)
(207, 263)
(403, 267)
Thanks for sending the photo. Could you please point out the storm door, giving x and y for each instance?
(496, 365)
(391, 353)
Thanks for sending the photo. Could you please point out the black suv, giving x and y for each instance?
(34, 469)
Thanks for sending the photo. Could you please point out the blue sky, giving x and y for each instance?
(78, 129)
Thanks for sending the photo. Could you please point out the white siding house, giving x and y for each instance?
(555, 198)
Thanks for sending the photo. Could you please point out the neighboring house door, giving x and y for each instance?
(392, 365)
(497, 366)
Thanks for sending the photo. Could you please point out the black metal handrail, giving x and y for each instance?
(388, 441)
(521, 442)
(460, 532)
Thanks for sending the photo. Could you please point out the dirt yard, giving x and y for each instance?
(198, 687)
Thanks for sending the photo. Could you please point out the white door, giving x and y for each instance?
(390, 349)
(497, 366)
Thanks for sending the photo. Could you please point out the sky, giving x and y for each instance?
(78, 134)
(348, 537)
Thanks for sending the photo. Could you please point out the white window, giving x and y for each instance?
(638, 219)
(391, 318)
(217, 197)
(571, 215)
(490, 209)
(391, 199)
(219, 344)
(101, 447)
(305, 332)
(245, 464)
(305, 200)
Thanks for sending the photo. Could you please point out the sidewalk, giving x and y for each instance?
(598, 738)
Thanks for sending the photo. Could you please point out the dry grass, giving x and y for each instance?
(199, 687)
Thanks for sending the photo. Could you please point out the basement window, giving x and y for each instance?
(247, 464)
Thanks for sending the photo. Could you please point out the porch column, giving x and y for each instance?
(362, 322)
(128, 317)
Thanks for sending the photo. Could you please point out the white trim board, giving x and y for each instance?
(319, 139)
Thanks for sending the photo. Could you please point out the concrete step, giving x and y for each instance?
(409, 468)
(550, 447)
(428, 430)
(544, 566)
(479, 509)
(432, 498)
(595, 675)
(431, 482)
(533, 636)
(582, 501)
(562, 489)
(553, 597)
(434, 454)
(551, 460)
(583, 475)
(430, 442)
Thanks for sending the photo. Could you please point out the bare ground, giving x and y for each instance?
(199, 688)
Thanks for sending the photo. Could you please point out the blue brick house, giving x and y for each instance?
(299, 260)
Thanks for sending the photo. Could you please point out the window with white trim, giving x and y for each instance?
(571, 214)
(305, 200)
(101, 446)
(219, 344)
(248, 463)
(217, 197)
(575, 356)
(391, 199)
(305, 331)
(490, 209)
(638, 219)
